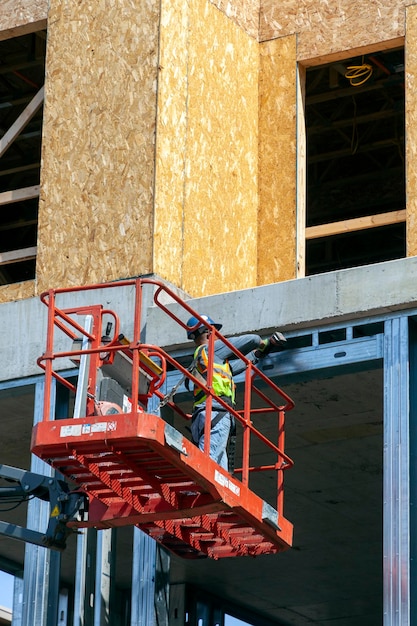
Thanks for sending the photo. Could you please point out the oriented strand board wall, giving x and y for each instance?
(18, 17)
(171, 140)
(411, 128)
(17, 291)
(277, 161)
(325, 28)
(206, 213)
(244, 12)
(97, 176)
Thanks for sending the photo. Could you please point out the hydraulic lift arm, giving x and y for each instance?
(65, 506)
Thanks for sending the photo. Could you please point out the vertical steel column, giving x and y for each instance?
(396, 522)
(63, 608)
(162, 588)
(85, 570)
(42, 566)
(143, 579)
(17, 612)
(413, 468)
(105, 564)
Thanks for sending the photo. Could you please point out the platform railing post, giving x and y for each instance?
(280, 472)
(135, 342)
(48, 354)
(209, 400)
(246, 426)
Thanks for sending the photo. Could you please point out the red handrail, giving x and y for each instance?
(64, 320)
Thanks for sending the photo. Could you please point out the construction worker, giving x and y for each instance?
(225, 365)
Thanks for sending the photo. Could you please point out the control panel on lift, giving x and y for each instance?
(134, 466)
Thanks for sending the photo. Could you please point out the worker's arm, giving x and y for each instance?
(246, 344)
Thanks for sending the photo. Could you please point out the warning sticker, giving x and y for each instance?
(225, 482)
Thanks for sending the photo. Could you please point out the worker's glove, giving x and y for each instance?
(275, 340)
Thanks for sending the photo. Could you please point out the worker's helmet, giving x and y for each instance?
(195, 327)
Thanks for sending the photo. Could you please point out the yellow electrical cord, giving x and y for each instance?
(358, 74)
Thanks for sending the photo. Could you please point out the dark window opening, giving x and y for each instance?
(22, 75)
(356, 248)
(355, 161)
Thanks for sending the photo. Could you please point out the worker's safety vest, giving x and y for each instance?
(222, 382)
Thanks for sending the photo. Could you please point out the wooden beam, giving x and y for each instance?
(17, 224)
(26, 254)
(23, 119)
(329, 126)
(16, 195)
(24, 29)
(346, 152)
(21, 168)
(301, 174)
(359, 223)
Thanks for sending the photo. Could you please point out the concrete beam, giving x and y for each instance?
(299, 304)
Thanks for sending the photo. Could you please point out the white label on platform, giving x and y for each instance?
(100, 427)
(86, 429)
(225, 482)
(70, 431)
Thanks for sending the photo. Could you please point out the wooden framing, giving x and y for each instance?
(24, 118)
(26, 254)
(25, 193)
(301, 173)
(17, 195)
(359, 223)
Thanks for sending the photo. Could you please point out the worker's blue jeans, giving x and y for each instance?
(219, 436)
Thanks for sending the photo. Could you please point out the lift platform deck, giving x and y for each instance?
(137, 469)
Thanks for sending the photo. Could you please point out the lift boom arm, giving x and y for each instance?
(65, 506)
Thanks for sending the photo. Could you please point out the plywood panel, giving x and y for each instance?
(18, 17)
(96, 202)
(411, 128)
(244, 12)
(277, 161)
(326, 28)
(206, 159)
(171, 140)
(17, 291)
(220, 212)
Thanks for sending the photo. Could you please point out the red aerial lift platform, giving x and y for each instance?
(136, 468)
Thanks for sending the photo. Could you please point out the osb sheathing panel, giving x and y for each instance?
(96, 202)
(18, 17)
(244, 12)
(411, 127)
(214, 215)
(326, 27)
(171, 140)
(17, 291)
(277, 161)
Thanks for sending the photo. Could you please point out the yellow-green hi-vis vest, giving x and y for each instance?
(222, 382)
